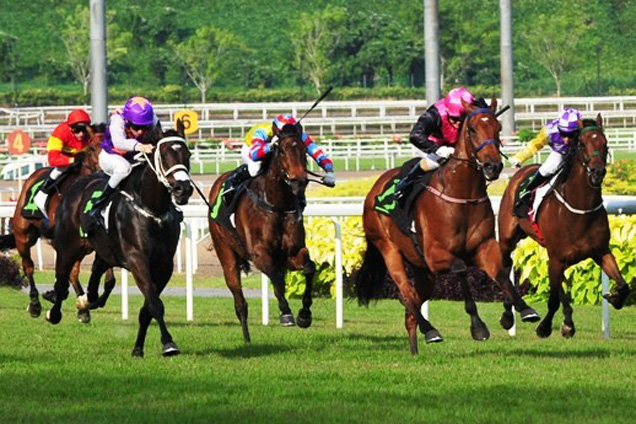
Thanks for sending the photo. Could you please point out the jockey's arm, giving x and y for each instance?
(533, 146)
(260, 145)
(54, 148)
(316, 152)
(427, 124)
(117, 127)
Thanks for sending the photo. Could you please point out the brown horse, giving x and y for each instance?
(269, 228)
(455, 227)
(572, 220)
(27, 231)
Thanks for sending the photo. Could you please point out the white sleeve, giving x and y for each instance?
(117, 128)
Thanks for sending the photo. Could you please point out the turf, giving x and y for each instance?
(360, 374)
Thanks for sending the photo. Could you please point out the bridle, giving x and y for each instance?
(180, 171)
(583, 160)
(474, 159)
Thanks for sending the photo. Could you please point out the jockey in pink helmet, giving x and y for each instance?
(435, 134)
(126, 129)
(559, 134)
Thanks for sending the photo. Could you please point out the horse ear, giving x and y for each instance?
(468, 107)
(180, 127)
(599, 120)
(493, 103)
(579, 123)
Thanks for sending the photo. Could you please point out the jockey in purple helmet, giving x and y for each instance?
(435, 134)
(125, 129)
(559, 134)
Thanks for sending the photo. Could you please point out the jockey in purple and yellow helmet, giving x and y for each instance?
(559, 134)
(257, 145)
(435, 134)
(126, 127)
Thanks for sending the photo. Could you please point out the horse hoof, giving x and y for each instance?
(480, 332)
(304, 318)
(137, 352)
(82, 303)
(34, 309)
(529, 315)
(50, 296)
(53, 317)
(544, 331)
(84, 317)
(507, 320)
(101, 302)
(433, 336)
(567, 331)
(170, 349)
(616, 301)
(287, 320)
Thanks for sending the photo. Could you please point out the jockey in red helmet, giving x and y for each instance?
(435, 134)
(64, 148)
(125, 129)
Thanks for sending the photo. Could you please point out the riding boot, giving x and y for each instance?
(233, 182)
(43, 194)
(404, 187)
(535, 181)
(99, 204)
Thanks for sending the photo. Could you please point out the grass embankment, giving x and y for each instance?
(362, 373)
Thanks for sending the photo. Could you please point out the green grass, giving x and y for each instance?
(360, 374)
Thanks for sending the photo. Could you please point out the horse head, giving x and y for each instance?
(591, 150)
(171, 163)
(90, 164)
(290, 159)
(480, 132)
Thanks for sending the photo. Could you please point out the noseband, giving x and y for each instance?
(180, 170)
(497, 143)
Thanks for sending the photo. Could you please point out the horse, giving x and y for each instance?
(27, 231)
(141, 231)
(269, 228)
(454, 227)
(572, 221)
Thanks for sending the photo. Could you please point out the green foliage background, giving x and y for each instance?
(379, 45)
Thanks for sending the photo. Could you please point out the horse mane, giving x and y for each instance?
(570, 156)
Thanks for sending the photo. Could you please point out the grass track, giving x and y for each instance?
(361, 374)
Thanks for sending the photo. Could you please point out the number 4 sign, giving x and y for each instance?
(18, 142)
(190, 120)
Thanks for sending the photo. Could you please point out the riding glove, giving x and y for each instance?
(329, 179)
(444, 151)
(144, 148)
(514, 162)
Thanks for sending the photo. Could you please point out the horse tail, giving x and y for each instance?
(369, 279)
(7, 242)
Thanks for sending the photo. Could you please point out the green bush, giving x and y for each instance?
(584, 278)
(525, 135)
(621, 178)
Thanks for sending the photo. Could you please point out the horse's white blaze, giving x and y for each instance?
(176, 147)
(485, 119)
(181, 176)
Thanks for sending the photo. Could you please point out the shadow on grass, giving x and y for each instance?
(247, 351)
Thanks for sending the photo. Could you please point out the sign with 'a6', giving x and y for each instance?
(190, 120)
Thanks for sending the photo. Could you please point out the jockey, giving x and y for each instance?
(64, 148)
(435, 134)
(559, 134)
(257, 146)
(126, 128)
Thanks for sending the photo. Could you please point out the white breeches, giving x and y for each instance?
(114, 165)
(551, 164)
(252, 167)
(56, 172)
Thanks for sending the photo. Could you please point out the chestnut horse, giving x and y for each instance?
(27, 231)
(141, 234)
(455, 227)
(572, 220)
(269, 228)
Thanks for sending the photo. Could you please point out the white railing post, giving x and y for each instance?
(513, 329)
(265, 299)
(339, 282)
(605, 314)
(189, 267)
(124, 294)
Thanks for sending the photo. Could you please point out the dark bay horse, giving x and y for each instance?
(572, 220)
(141, 235)
(269, 229)
(455, 227)
(27, 231)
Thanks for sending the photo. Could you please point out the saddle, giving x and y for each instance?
(222, 212)
(401, 212)
(30, 210)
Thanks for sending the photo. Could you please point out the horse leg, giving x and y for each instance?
(83, 314)
(478, 329)
(34, 308)
(144, 322)
(109, 285)
(408, 296)
(608, 263)
(410, 323)
(301, 260)
(63, 269)
(232, 273)
(489, 259)
(507, 244)
(278, 281)
(154, 306)
(555, 271)
(567, 328)
(90, 301)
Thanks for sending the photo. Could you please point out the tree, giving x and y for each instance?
(74, 32)
(8, 57)
(208, 54)
(553, 39)
(314, 37)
